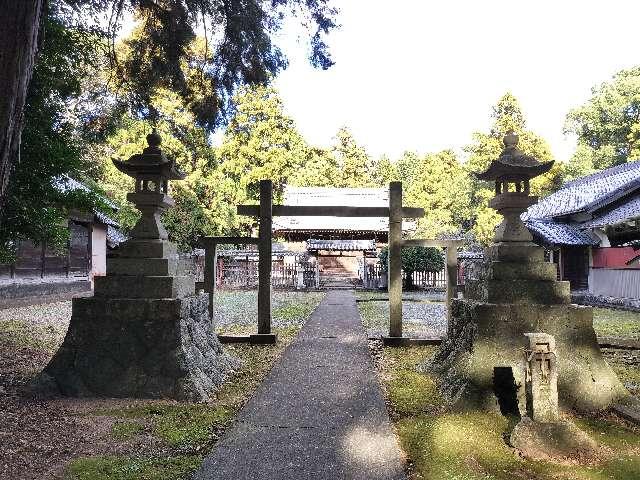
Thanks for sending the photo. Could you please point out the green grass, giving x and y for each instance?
(33, 336)
(129, 468)
(444, 445)
(125, 430)
(616, 323)
(236, 311)
(186, 427)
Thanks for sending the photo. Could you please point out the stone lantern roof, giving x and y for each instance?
(151, 165)
(152, 171)
(513, 164)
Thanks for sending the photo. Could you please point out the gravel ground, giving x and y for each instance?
(237, 311)
(424, 314)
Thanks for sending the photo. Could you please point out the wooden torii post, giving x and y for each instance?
(396, 213)
(266, 211)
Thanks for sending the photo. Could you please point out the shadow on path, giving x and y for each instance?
(320, 413)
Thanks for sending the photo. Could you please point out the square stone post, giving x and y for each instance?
(210, 274)
(264, 265)
(452, 280)
(395, 260)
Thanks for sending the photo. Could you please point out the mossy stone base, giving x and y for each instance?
(144, 348)
(558, 440)
(484, 336)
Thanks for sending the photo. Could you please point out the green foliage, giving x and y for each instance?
(415, 259)
(35, 208)
(407, 167)
(384, 172)
(260, 142)
(446, 203)
(239, 50)
(507, 115)
(354, 163)
(608, 124)
(131, 468)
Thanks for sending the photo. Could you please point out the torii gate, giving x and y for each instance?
(265, 212)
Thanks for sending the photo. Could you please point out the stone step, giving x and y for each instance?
(132, 286)
(518, 291)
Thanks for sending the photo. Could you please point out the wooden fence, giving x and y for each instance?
(38, 261)
(372, 276)
(238, 273)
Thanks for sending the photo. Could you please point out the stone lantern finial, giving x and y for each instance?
(513, 168)
(152, 171)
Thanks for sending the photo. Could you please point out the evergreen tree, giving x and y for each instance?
(442, 187)
(607, 126)
(356, 167)
(507, 116)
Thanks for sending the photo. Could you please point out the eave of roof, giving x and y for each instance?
(553, 233)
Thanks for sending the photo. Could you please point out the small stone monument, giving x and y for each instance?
(541, 378)
(514, 292)
(145, 332)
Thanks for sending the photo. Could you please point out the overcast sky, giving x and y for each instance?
(422, 75)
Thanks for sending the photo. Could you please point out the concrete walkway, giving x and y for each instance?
(320, 413)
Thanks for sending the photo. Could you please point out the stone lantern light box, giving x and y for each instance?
(151, 171)
(513, 169)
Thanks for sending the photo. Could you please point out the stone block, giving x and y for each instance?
(500, 270)
(146, 249)
(142, 348)
(483, 336)
(156, 267)
(133, 286)
(518, 291)
(515, 252)
(544, 441)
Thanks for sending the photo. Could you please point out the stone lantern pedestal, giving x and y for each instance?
(512, 293)
(145, 332)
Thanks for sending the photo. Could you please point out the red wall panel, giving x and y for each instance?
(614, 257)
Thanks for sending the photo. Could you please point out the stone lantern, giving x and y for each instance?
(515, 335)
(145, 332)
(152, 171)
(512, 172)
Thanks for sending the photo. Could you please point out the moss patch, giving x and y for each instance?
(128, 468)
(125, 430)
(443, 445)
(608, 322)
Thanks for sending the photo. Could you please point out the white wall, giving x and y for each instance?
(620, 283)
(98, 250)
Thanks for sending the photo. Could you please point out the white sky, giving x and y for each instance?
(422, 75)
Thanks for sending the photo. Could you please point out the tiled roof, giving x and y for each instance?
(553, 233)
(589, 192)
(115, 237)
(627, 210)
(342, 245)
(349, 197)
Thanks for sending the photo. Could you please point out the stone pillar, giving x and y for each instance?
(395, 259)
(541, 378)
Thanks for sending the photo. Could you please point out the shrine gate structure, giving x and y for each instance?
(265, 212)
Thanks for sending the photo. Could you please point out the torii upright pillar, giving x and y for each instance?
(264, 265)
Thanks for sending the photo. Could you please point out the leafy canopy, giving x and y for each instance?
(607, 126)
(485, 147)
(239, 49)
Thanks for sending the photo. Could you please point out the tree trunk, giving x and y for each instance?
(19, 27)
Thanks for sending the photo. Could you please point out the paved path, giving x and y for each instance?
(320, 413)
